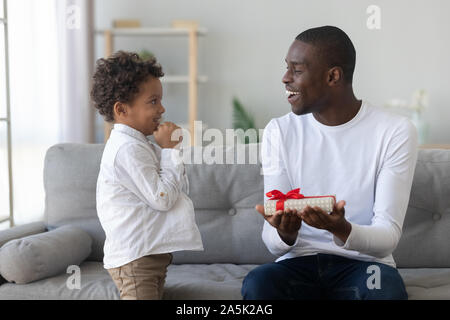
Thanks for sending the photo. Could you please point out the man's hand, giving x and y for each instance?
(287, 223)
(334, 222)
(163, 135)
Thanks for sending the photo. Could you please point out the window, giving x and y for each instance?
(6, 218)
(34, 113)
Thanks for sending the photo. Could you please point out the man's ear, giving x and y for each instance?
(120, 109)
(335, 76)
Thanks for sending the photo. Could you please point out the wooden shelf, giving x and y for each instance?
(434, 146)
(151, 31)
(182, 79)
(186, 28)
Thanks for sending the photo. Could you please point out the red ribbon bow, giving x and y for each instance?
(281, 197)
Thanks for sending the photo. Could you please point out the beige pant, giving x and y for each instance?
(143, 278)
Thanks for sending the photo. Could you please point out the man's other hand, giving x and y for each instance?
(334, 222)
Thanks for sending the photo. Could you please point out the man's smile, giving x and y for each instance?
(292, 95)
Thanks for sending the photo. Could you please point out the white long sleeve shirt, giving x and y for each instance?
(369, 162)
(141, 199)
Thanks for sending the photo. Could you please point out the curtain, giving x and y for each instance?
(50, 68)
(75, 42)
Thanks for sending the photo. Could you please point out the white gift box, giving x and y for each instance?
(326, 203)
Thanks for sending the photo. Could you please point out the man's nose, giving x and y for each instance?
(287, 78)
(162, 110)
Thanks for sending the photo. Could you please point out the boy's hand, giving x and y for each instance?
(165, 133)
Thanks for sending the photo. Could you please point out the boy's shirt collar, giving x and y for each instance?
(130, 131)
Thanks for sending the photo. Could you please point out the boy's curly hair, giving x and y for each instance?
(117, 79)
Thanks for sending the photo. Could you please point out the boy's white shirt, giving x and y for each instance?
(141, 199)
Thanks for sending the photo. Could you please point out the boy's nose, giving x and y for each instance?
(162, 110)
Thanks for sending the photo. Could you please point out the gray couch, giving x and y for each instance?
(224, 197)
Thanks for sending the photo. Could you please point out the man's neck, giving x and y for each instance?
(340, 111)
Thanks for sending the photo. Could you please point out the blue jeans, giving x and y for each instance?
(323, 276)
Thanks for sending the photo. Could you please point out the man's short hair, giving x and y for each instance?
(334, 47)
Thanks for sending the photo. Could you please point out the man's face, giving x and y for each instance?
(144, 112)
(305, 79)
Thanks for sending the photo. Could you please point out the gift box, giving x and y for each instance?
(296, 201)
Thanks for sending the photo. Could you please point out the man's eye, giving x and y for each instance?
(295, 71)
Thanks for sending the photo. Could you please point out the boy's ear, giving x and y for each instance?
(119, 109)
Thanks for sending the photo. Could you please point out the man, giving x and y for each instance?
(332, 143)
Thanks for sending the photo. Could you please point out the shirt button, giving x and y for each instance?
(232, 212)
(162, 194)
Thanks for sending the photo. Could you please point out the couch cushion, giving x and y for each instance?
(91, 226)
(427, 283)
(425, 242)
(96, 284)
(228, 238)
(70, 180)
(43, 255)
(227, 185)
(224, 281)
(224, 197)
(203, 282)
(183, 282)
(21, 231)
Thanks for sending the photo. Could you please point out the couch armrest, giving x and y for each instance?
(21, 231)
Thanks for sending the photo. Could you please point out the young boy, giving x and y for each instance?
(141, 189)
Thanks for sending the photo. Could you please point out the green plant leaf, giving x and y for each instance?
(242, 119)
(146, 55)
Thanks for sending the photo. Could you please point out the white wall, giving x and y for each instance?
(244, 50)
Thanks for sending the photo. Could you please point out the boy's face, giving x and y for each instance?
(144, 112)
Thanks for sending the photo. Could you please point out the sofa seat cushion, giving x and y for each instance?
(202, 282)
(224, 281)
(187, 282)
(95, 284)
(205, 281)
(426, 283)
